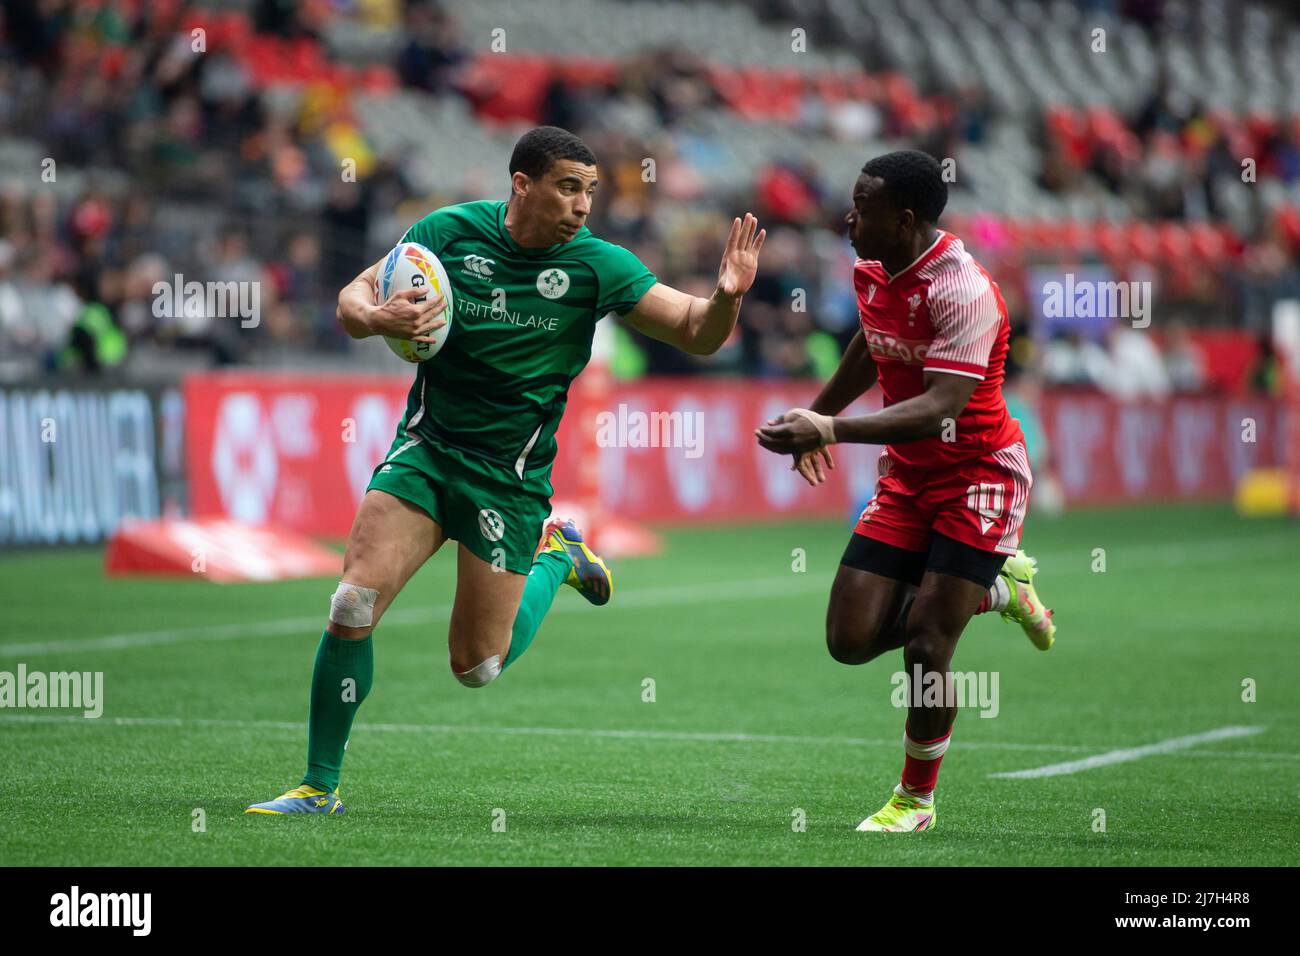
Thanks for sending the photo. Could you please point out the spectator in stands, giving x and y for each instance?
(155, 141)
(136, 316)
(1070, 359)
(286, 18)
(1136, 368)
(1269, 273)
(433, 54)
(1184, 364)
(15, 335)
(95, 342)
(295, 283)
(787, 193)
(1266, 373)
(1164, 176)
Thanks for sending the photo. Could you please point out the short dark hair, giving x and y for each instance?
(539, 148)
(913, 180)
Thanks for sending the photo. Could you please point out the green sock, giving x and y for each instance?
(342, 678)
(548, 573)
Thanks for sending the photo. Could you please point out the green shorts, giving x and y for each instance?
(484, 506)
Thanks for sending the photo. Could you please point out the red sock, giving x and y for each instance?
(921, 762)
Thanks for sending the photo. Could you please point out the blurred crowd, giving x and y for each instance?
(130, 156)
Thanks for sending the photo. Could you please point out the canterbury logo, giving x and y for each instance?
(479, 266)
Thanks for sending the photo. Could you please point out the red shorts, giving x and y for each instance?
(980, 502)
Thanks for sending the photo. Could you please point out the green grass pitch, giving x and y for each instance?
(752, 727)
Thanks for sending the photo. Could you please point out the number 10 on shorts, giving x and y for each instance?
(985, 500)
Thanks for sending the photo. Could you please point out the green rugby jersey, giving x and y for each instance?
(521, 331)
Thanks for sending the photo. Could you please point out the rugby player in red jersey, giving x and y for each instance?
(939, 542)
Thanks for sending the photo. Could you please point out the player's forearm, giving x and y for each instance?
(856, 373)
(356, 303)
(710, 322)
(916, 418)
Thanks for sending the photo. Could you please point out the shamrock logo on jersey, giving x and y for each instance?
(490, 525)
(553, 283)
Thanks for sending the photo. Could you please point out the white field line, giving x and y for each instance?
(1129, 754)
(1137, 557)
(735, 590)
(673, 735)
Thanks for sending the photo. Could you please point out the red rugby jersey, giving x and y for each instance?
(942, 313)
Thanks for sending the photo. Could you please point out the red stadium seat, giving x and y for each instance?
(1042, 235)
(377, 78)
(771, 94)
(1076, 239)
(1066, 128)
(899, 93)
(1233, 246)
(1014, 232)
(508, 87)
(588, 73)
(1174, 243)
(1142, 242)
(1287, 220)
(1207, 244)
(1109, 240)
(853, 85)
(863, 87)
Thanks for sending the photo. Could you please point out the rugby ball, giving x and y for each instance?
(412, 266)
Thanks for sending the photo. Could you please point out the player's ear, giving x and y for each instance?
(519, 184)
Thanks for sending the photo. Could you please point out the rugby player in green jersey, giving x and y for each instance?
(472, 457)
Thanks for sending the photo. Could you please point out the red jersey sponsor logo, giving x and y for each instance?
(893, 349)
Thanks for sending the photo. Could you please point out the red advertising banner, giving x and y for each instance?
(289, 450)
(297, 450)
(684, 449)
(1105, 452)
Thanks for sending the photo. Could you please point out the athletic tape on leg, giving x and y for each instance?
(481, 674)
(353, 606)
(928, 749)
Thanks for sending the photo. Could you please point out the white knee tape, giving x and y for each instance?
(352, 606)
(481, 674)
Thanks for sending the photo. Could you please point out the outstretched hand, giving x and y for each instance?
(740, 257)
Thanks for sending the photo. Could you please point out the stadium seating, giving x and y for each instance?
(1061, 149)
